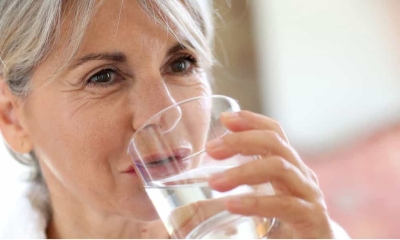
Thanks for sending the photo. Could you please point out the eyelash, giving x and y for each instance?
(111, 70)
(182, 57)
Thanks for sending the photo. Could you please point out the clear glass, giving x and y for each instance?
(168, 153)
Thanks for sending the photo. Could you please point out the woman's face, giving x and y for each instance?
(80, 124)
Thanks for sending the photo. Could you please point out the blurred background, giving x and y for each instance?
(328, 71)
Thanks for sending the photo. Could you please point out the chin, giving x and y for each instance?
(143, 216)
(141, 210)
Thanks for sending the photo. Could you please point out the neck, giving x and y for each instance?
(72, 218)
(71, 224)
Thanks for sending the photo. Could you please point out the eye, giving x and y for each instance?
(182, 65)
(104, 77)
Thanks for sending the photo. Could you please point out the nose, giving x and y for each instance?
(156, 107)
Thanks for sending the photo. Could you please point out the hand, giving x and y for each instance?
(185, 218)
(298, 204)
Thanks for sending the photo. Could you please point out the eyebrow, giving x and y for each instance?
(180, 46)
(119, 56)
(176, 48)
(115, 57)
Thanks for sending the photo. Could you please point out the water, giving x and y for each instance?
(189, 208)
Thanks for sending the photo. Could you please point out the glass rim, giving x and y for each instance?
(229, 99)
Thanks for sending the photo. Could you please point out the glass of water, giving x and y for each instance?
(168, 153)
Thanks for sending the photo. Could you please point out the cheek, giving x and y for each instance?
(199, 130)
(197, 120)
(82, 149)
(80, 141)
(197, 117)
(200, 87)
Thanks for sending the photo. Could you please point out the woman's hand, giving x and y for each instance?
(298, 204)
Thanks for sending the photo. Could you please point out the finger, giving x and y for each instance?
(185, 218)
(246, 120)
(272, 169)
(254, 142)
(307, 219)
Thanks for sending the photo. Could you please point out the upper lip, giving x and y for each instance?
(129, 169)
(160, 158)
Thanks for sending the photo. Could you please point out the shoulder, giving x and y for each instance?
(23, 204)
(26, 211)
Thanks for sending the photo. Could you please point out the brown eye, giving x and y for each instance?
(104, 77)
(182, 65)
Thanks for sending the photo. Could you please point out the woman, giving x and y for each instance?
(77, 79)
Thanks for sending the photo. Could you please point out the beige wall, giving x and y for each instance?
(236, 74)
(329, 70)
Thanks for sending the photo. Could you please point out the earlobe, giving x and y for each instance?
(13, 133)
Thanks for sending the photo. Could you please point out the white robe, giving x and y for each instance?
(25, 207)
(24, 212)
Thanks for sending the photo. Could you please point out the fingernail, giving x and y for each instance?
(235, 202)
(230, 114)
(217, 177)
(214, 144)
(241, 201)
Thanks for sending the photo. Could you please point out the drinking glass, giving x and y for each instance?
(168, 153)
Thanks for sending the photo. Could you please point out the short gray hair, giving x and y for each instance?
(29, 29)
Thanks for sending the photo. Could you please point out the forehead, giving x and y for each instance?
(121, 25)
(125, 25)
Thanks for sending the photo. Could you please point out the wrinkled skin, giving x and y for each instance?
(80, 124)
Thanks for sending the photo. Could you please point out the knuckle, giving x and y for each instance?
(270, 140)
(272, 135)
(281, 166)
(314, 176)
(320, 193)
(321, 208)
(276, 125)
(274, 138)
(320, 202)
(288, 204)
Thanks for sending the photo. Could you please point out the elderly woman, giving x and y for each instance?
(77, 78)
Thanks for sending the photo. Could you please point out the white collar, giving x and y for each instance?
(26, 211)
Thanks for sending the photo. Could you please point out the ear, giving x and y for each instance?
(15, 135)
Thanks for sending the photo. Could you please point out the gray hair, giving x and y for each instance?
(29, 29)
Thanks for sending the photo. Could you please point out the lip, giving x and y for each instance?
(160, 165)
(129, 169)
(156, 159)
